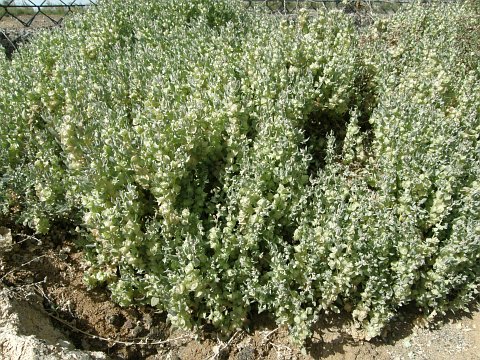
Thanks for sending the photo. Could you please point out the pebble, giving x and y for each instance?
(65, 344)
(137, 330)
(147, 321)
(173, 356)
(129, 324)
(66, 250)
(155, 332)
(246, 353)
(5, 237)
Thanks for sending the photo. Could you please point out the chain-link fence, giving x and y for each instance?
(19, 19)
(27, 13)
(350, 6)
(292, 6)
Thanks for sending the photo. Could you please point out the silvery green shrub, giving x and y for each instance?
(223, 161)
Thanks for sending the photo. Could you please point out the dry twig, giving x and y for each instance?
(121, 342)
(22, 265)
(222, 346)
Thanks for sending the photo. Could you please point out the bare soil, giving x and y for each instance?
(51, 269)
(34, 21)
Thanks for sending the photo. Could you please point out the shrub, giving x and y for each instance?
(224, 162)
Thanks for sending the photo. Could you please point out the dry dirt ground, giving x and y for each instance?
(39, 21)
(43, 278)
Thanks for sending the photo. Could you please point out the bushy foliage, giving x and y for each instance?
(223, 162)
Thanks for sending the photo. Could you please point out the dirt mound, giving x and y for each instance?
(27, 333)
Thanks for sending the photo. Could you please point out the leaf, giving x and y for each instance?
(154, 301)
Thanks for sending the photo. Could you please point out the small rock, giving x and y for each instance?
(137, 330)
(246, 353)
(173, 356)
(66, 250)
(155, 332)
(65, 344)
(5, 237)
(147, 321)
(129, 324)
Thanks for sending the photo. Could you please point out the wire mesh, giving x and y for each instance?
(28, 11)
(373, 6)
(19, 19)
